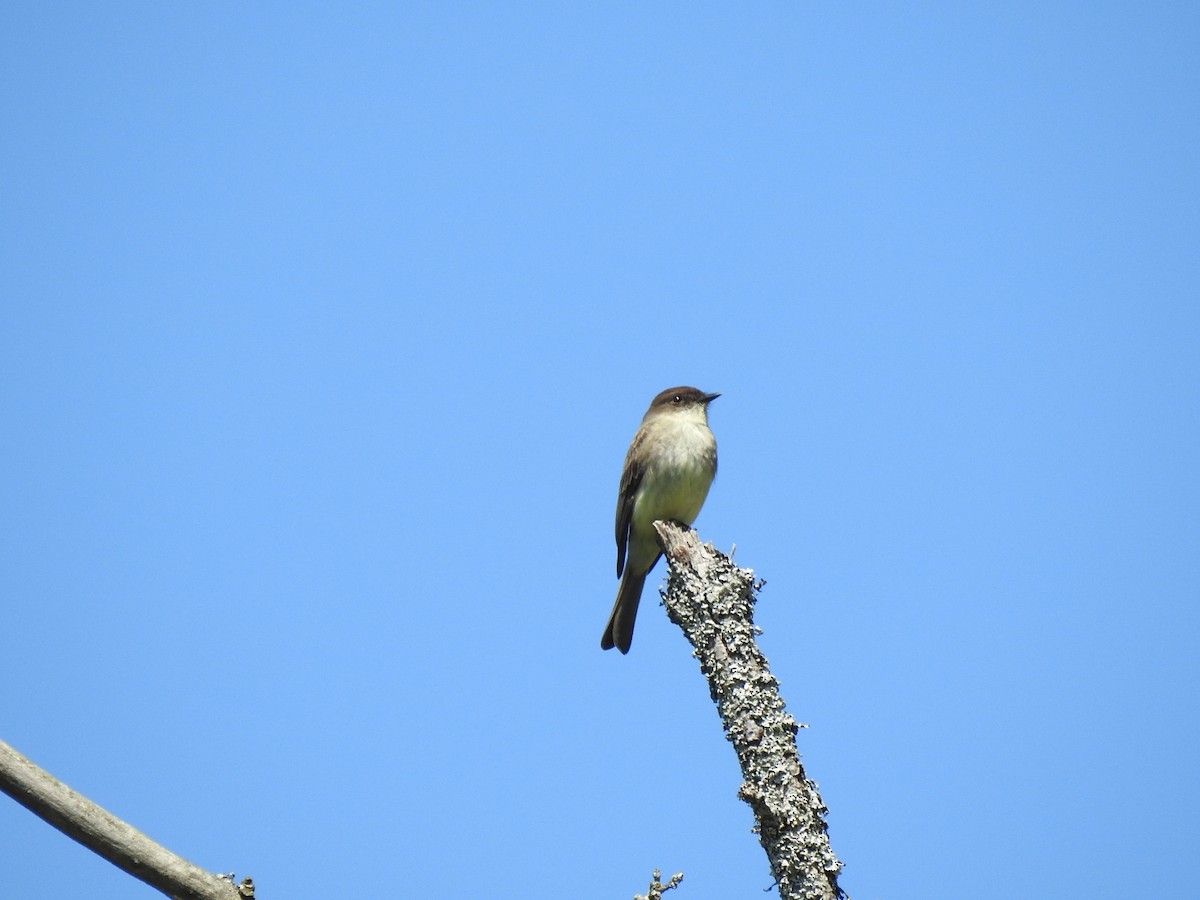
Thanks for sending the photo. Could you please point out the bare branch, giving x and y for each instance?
(713, 602)
(657, 887)
(121, 844)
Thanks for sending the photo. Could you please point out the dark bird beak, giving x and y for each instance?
(709, 398)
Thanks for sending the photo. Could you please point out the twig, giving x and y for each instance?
(657, 887)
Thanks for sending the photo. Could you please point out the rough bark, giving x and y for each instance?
(712, 601)
(121, 844)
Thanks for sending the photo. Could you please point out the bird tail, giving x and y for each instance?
(619, 630)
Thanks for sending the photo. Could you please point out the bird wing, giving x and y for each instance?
(631, 480)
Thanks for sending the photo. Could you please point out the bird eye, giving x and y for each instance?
(678, 398)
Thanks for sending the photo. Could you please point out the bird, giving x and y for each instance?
(670, 465)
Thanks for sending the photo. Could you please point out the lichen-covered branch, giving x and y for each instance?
(658, 888)
(121, 844)
(712, 600)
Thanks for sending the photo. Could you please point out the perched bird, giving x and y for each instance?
(670, 465)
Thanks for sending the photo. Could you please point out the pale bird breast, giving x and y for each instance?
(676, 486)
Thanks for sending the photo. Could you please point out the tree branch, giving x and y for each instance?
(657, 888)
(713, 602)
(121, 844)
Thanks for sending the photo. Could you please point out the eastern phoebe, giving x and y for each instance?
(668, 469)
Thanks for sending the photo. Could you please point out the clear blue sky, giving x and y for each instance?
(325, 328)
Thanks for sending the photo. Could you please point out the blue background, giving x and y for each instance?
(323, 333)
